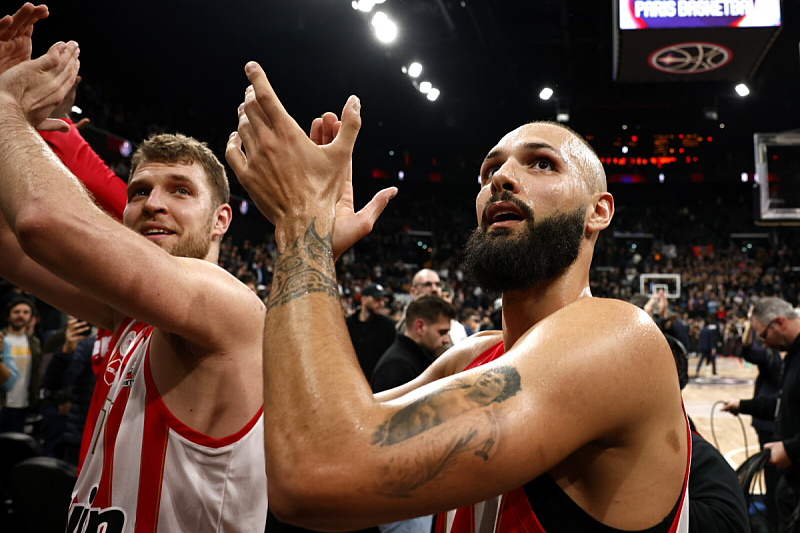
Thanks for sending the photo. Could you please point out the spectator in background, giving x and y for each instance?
(57, 385)
(371, 332)
(8, 369)
(427, 281)
(710, 342)
(70, 374)
(426, 330)
(23, 398)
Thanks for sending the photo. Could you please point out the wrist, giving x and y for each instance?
(300, 229)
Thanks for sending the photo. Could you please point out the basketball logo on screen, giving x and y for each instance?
(690, 58)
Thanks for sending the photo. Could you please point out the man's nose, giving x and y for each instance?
(155, 202)
(505, 178)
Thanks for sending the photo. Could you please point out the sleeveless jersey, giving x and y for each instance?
(144, 470)
(512, 512)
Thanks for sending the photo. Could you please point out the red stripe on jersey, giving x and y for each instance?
(511, 520)
(112, 424)
(151, 469)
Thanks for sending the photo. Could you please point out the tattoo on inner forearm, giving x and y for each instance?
(303, 268)
(404, 474)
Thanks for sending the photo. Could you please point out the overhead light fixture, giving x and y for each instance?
(562, 116)
(425, 87)
(365, 5)
(742, 89)
(77, 110)
(433, 94)
(546, 93)
(414, 69)
(385, 28)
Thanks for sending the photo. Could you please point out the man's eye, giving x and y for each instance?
(544, 164)
(183, 190)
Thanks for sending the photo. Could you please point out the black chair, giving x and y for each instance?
(41, 488)
(14, 448)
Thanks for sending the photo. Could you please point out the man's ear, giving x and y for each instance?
(222, 220)
(602, 210)
(419, 327)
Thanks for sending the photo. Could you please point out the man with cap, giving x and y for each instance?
(371, 331)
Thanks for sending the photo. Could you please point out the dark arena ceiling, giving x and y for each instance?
(183, 62)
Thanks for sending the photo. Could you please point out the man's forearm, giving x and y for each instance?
(31, 176)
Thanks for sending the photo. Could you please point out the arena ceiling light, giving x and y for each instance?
(433, 94)
(546, 93)
(365, 5)
(414, 69)
(742, 90)
(385, 28)
(425, 87)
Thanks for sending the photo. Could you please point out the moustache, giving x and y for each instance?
(505, 196)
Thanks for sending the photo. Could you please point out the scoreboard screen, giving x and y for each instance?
(658, 14)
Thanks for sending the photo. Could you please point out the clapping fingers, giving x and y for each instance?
(21, 22)
(15, 34)
(47, 81)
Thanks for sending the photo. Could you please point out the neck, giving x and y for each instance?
(14, 331)
(523, 309)
(364, 314)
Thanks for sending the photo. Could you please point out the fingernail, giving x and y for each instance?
(232, 135)
(356, 103)
(250, 67)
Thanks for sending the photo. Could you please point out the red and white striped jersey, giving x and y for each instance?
(145, 470)
(512, 512)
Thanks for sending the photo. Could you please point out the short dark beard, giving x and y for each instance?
(500, 262)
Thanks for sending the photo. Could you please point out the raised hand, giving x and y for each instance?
(39, 86)
(288, 176)
(76, 330)
(350, 227)
(15, 34)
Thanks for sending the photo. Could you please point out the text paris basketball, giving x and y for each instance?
(692, 8)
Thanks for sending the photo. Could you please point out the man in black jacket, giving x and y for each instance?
(777, 324)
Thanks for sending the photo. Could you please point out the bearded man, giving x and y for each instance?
(589, 431)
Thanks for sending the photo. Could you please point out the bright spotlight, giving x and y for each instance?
(624, 149)
(414, 69)
(385, 28)
(661, 178)
(365, 5)
(546, 93)
(433, 94)
(77, 110)
(742, 89)
(562, 116)
(744, 177)
(425, 87)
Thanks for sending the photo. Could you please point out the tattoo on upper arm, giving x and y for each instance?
(414, 420)
(303, 268)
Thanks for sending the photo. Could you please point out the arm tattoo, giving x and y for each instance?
(303, 268)
(431, 456)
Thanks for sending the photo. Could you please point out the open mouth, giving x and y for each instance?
(503, 215)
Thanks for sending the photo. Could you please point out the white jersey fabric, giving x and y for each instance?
(146, 471)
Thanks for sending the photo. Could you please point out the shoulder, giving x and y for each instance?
(461, 355)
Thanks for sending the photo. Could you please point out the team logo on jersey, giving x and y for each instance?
(128, 381)
(87, 519)
(115, 364)
(113, 368)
